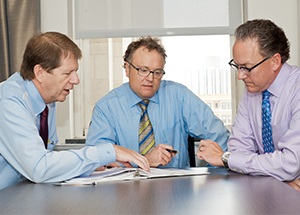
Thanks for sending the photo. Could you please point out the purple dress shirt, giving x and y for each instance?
(245, 141)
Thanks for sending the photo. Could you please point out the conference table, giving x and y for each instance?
(220, 192)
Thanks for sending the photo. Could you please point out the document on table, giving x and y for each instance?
(126, 174)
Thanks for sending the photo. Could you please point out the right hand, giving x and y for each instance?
(124, 156)
(295, 184)
(159, 155)
(211, 152)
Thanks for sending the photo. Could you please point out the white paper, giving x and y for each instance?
(125, 174)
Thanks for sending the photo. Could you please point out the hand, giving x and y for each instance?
(211, 152)
(102, 168)
(111, 165)
(124, 156)
(159, 155)
(295, 184)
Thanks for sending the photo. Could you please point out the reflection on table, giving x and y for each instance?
(221, 192)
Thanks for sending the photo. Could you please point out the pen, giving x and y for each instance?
(75, 183)
(173, 151)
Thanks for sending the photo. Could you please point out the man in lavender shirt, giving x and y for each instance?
(260, 53)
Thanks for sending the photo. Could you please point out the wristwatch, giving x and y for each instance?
(225, 157)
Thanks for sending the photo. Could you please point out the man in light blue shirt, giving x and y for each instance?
(47, 74)
(174, 111)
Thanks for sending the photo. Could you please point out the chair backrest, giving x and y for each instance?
(191, 149)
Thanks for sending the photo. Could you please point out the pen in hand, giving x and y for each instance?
(172, 151)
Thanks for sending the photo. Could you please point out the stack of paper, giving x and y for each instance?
(125, 174)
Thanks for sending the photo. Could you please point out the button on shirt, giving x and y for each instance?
(174, 111)
(22, 151)
(245, 141)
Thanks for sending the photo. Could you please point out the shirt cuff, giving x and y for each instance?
(237, 161)
(106, 153)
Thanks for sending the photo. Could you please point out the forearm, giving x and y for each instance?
(60, 166)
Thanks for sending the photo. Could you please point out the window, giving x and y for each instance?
(203, 68)
(229, 119)
(224, 119)
(198, 51)
(223, 105)
(209, 104)
(228, 105)
(216, 105)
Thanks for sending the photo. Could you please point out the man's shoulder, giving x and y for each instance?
(172, 86)
(170, 90)
(114, 94)
(292, 80)
(294, 74)
(13, 86)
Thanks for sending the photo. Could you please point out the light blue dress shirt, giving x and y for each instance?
(22, 151)
(245, 141)
(174, 111)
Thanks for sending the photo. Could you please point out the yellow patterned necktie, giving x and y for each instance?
(146, 134)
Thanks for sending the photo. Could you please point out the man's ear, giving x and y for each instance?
(276, 61)
(127, 68)
(38, 72)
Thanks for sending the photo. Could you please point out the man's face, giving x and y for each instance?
(144, 87)
(57, 84)
(246, 54)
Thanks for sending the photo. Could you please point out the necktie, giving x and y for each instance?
(146, 134)
(266, 123)
(44, 126)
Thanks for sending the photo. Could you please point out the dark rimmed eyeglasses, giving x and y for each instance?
(145, 72)
(245, 70)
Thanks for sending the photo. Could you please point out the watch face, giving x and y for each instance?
(225, 156)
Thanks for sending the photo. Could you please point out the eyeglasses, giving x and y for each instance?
(145, 72)
(245, 70)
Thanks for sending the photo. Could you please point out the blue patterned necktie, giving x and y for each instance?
(266, 123)
(146, 134)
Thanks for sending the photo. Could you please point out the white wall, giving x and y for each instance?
(57, 15)
(285, 14)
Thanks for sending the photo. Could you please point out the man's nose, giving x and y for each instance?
(241, 75)
(75, 78)
(150, 77)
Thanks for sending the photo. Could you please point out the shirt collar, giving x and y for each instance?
(133, 99)
(277, 86)
(35, 97)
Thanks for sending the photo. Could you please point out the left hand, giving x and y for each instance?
(211, 152)
(295, 184)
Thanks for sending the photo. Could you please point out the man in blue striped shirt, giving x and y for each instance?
(174, 111)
